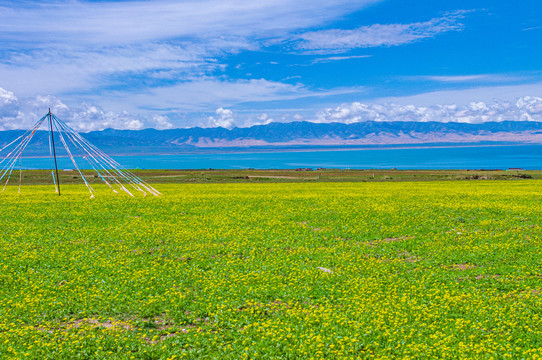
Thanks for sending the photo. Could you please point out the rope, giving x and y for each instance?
(24, 143)
(20, 173)
(73, 161)
(52, 158)
(18, 149)
(134, 180)
(34, 127)
(126, 175)
(90, 160)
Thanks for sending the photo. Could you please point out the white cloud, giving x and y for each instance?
(531, 106)
(182, 102)
(161, 122)
(263, 119)
(292, 77)
(127, 22)
(202, 94)
(479, 78)
(454, 79)
(23, 113)
(464, 96)
(55, 71)
(338, 58)
(91, 51)
(527, 108)
(7, 97)
(338, 40)
(90, 118)
(224, 118)
(532, 28)
(18, 113)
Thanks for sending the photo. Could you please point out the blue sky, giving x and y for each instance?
(164, 64)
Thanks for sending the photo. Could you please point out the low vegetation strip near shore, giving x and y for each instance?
(290, 270)
(207, 176)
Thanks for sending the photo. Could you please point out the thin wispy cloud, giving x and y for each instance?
(339, 40)
(57, 71)
(455, 78)
(205, 94)
(463, 96)
(338, 58)
(532, 28)
(128, 22)
(479, 78)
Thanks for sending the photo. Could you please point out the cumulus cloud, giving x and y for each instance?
(338, 40)
(18, 113)
(224, 118)
(23, 113)
(91, 118)
(161, 122)
(7, 97)
(263, 119)
(527, 108)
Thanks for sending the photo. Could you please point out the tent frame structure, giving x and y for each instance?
(110, 171)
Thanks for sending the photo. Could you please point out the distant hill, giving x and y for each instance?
(300, 134)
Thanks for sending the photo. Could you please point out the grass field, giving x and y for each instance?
(420, 270)
(37, 177)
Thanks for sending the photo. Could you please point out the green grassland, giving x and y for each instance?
(36, 177)
(294, 270)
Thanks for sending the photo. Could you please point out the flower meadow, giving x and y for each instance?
(413, 270)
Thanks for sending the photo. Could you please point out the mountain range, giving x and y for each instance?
(300, 134)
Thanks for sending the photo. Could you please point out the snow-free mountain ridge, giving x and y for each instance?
(300, 134)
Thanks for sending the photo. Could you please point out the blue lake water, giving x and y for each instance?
(472, 157)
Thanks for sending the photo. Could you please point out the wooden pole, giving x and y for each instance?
(54, 150)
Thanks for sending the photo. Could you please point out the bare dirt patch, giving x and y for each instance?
(408, 257)
(373, 243)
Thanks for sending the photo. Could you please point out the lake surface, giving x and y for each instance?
(472, 157)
